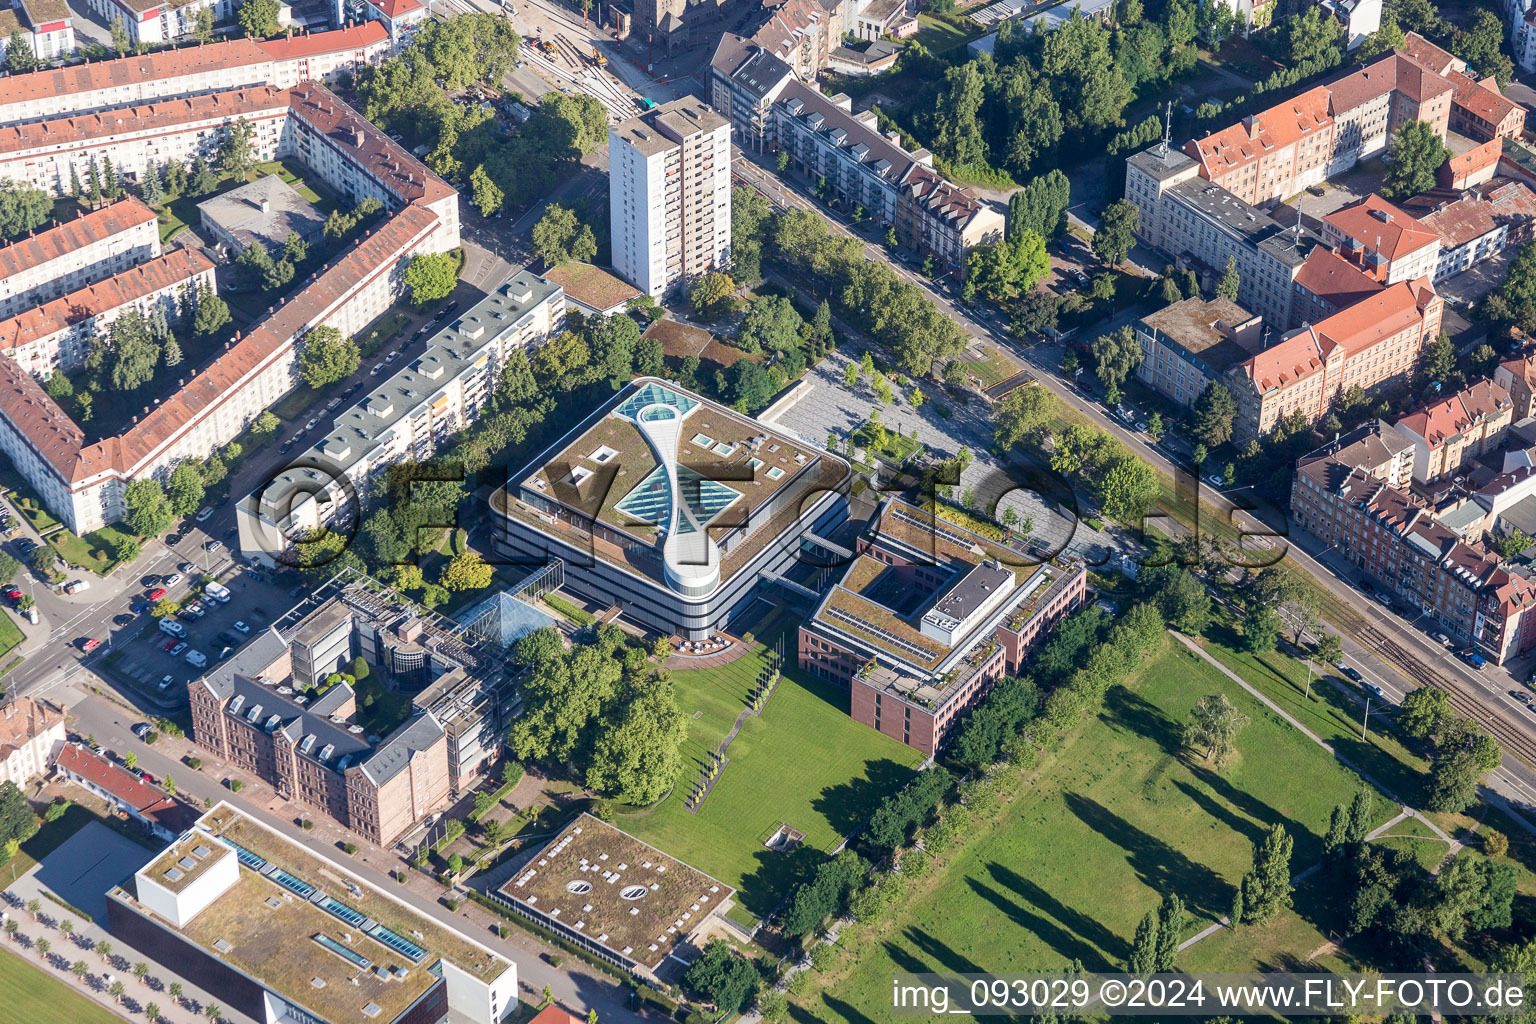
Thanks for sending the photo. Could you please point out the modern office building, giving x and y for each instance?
(669, 195)
(926, 618)
(406, 417)
(670, 507)
(284, 935)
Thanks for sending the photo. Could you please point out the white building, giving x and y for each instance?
(50, 25)
(31, 735)
(90, 248)
(153, 22)
(1359, 18)
(669, 195)
(408, 416)
(58, 335)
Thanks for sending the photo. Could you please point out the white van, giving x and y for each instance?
(172, 628)
(196, 658)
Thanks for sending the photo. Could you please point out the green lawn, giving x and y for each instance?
(98, 551)
(295, 403)
(29, 993)
(994, 369)
(1120, 816)
(940, 37)
(382, 332)
(803, 762)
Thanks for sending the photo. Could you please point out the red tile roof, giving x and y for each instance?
(1334, 279)
(1354, 329)
(1393, 72)
(353, 37)
(45, 246)
(373, 254)
(122, 71)
(1441, 62)
(555, 1014)
(1262, 134)
(389, 163)
(49, 319)
(257, 100)
(39, 420)
(1484, 101)
(1447, 417)
(393, 9)
(1381, 227)
(148, 801)
(23, 720)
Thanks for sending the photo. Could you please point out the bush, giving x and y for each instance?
(306, 824)
(235, 785)
(451, 904)
(151, 736)
(195, 763)
(555, 959)
(348, 848)
(503, 931)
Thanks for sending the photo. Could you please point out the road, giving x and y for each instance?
(1397, 654)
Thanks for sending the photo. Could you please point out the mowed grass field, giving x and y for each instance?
(802, 762)
(29, 994)
(1090, 841)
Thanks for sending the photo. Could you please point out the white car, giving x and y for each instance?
(165, 682)
(204, 513)
(75, 586)
(241, 627)
(171, 580)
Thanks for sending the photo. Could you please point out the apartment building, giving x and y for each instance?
(743, 81)
(229, 892)
(1192, 344)
(83, 484)
(58, 335)
(1201, 225)
(308, 745)
(825, 140)
(1358, 18)
(51, 25)
(1394, 536)
(1517, 377)
(407, 417)
(153, 23)
(1474, 224)
(188, 71)
(927, 617)
(1271, 154)
(94, 246)
(1448, 432)
(127, 797)
(31, 736)
(1329, 282)
(797, 32)
(1384, 239)
(1376, 340)
(669, 195)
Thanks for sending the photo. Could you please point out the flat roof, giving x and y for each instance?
(1247, 222)
(187, 860)
(1191, 324)
(972, 590)
(617, 891)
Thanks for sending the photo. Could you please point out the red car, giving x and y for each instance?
(12, 594)
(172, 642)
(157, 593)
(91, 644)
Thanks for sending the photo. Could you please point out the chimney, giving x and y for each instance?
(357, 138)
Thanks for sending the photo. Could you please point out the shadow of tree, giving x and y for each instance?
(1129, 713)
(1113, 948)
(1160, 867)
(846, 805)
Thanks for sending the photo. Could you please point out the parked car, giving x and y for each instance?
(173, 627)
(204, 514)
(165, 682)
(75, 586)
(141, 729)
(12, 594)
(1474, 659)
(157, 593)
(1375, 690)
(1353, 674)
(1440, 638)
(213, 545)
(139, 607)
(178, 647)
(227, 638)
(197, 659)
(241, 627)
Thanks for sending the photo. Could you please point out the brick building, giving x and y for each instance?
(927, 617)
(1448, 432)
(1383, 239)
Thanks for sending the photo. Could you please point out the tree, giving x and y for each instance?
(1462, 756)
(1413, 157)
(327, 357)
(1227, 287)
(1215, 412)
(1041, 205)
(466, 571)
(637, 758)
(1310, 35)
(559, 236)
(43, 946)
(1481, 43)
(201, 178)
(1171, 920)
(18, 53)
(174, 989)
(1423, 710)
(1214, 724)
(484, 192)
(709, 292)
(258, 18)
(1116, 354)
(1020, 413)
(152, 1010)
(1329, 649)
(1128, 489)
(203, 30)
(184, 490)
(1116, 232)
(1144, 946)
(22, 208)
(1266, 889)
(727, 980)
(1036, 312)
(214, 1012)
(16, 818)
(236, 157)
(1261, 629)
(430, 277)
(120, 41)
(149, 512)
(771, 323)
